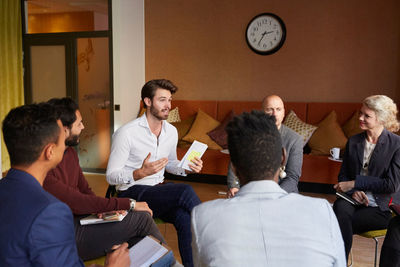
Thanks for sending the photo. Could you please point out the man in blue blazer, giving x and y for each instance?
(36, 229)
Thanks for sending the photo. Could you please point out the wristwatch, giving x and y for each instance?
(132, 204)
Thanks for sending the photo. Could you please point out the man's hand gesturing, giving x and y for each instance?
(149, 168)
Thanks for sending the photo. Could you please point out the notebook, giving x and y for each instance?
(150, 252)
(106, 218)
(348, 198)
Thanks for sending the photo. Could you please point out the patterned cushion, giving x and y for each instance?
(173, 115)
(303, 129)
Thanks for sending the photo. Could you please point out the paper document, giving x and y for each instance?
(106, 218)
(146, 252)
(197, 149)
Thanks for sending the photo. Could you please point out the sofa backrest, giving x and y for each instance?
(311, 113)
(316, 112)
(224, 107)
(189, 108)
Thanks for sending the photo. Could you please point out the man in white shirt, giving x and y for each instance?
(263, 225)
(140, 153)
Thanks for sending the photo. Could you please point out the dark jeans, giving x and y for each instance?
(92, 240)
(358, 219)
(172, 203)
(390, 253)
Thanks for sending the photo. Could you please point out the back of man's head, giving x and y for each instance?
(66, 109)
(27, 130)
(255, 146)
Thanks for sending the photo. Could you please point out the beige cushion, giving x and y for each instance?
(173, 115)
(329, 134)
(352, 126)
(305, 130)
(201, 126)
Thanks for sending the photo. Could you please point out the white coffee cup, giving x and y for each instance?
(335, 152)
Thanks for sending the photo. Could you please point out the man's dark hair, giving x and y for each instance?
(255, 146)
(65, 108)
(27, 130)
(150, 88)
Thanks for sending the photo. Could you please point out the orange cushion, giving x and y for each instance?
(328, 134)
(352, 126)
(201, 126)
(183, 127)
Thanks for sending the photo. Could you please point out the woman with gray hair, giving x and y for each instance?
(370, 171)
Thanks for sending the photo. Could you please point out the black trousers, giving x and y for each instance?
(92, 240)
(390, 253)
(358, 219)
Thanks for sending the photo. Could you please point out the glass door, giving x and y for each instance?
(67, 53)
(94, 101)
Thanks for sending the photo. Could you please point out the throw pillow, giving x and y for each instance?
(352, 126)
(329, 134)
(201, 126)
(305, 130)
(173, 116)
(219, 134)
(184, 126)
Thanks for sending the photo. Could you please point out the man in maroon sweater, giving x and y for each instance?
(68, 184)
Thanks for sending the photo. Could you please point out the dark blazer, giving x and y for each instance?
(36, 229)
(383, 178)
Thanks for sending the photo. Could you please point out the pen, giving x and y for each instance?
(110, 250)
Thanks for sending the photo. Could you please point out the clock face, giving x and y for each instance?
(265, 33)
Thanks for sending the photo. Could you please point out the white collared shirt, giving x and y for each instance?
(130, 146)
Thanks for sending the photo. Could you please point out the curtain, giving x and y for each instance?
(11, 75)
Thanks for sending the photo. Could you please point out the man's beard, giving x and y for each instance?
(73, 140)
(157, 114)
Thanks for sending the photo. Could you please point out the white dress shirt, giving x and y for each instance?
(130, 146)
(263, 225)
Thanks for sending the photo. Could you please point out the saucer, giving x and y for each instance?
(337, 160)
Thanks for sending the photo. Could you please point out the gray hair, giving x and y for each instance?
(385, 110)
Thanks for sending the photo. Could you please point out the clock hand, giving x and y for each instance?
(263, 34)
(269, 32)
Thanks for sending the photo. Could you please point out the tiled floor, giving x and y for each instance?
(363, 248)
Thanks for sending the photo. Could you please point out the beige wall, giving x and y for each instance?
(335, 50)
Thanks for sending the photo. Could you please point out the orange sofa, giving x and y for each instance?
(316, 169)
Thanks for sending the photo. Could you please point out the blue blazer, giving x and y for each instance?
(36, 229)
(383, 178)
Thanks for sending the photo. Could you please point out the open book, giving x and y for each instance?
(149, 252)
(107, 217)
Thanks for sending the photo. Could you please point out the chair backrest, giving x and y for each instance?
(111, 191)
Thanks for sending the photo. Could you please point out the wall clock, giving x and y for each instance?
(265, 33)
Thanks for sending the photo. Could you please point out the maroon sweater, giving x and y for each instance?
(67, 183)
